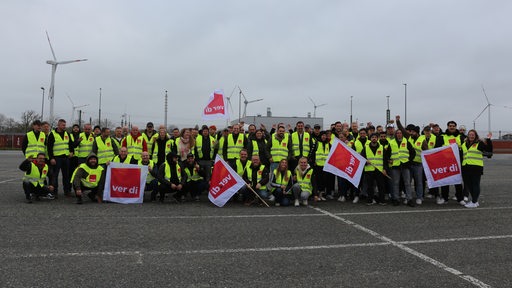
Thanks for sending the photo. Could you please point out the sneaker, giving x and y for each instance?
(196, 198)
(462, 202)
(322, 198)
(429, 196)
(330, 197)
(454, 198)
(466, 199)
(342, 199)
(271, 198)
(50, 196)
(471, 205)
(277, 204)
(406, 201)
(419, 201)
(356, 199)
(441, 201)
(371, 202)
(305, 202)
(297, 204)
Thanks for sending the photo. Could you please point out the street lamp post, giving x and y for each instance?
(42, 105)
(99, 112)
(388, 112)
(405, 92)
(351, 97)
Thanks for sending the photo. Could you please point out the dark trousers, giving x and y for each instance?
(472, 184)
(445, 192)
(61, 164)
(377, 177)
(163, 189)
(195, 187)
(28, 188)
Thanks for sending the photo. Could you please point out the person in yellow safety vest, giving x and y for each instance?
(89, 176)
(281, 182)
(124, 157)
(256, 177)
(204, 151)
(150, 135)
(358, 145)
(135, 143)
(162, 145)
(74, 135)
(302, 144)
(104, 147)
(473, 164)
(60, 149)
(279, 147)
(35, 179)
(151, 182)
(258, 146)
(219, 146)
(195, 182)
(34, 141)
(305, 182)
(118, 137)
(375, 170)
(451, 136)
(324, 180)
(401, 154)
(170, 178)
(84, 143)
(233, 143)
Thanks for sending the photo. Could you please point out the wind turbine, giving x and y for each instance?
(247, 102)
(54, 64)
(74, 108)
(488, 108)
(315, 106)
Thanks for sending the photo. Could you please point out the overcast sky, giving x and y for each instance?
(281, 51)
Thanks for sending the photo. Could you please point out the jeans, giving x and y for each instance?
(298, 194)
(396, 173)
(417, 175)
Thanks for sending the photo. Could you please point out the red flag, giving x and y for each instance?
(343, 161)
(442, 166)
(216, 107)
(224, 183)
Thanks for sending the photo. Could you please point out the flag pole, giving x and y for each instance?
(250, 188)
(378, 169)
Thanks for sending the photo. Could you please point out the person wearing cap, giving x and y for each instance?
(324, 180)
(150, 136)
(171, 178)
(96, 130)
(195, 175)
(34, 141)
(316, 132)
(390, 131)
(204, 151)
(37, 174)
(308, 128)
(89, 176)
(135, 142)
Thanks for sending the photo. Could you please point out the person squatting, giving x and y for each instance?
(283, 166)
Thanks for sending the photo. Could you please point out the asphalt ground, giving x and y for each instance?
(56, 243)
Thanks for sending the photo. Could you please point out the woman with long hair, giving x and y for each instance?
(281, 183)
(473, 150)
(185, 144)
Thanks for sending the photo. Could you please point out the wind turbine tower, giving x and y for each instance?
(54, 64)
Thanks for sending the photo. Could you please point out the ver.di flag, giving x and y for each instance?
(125, 183)
(442, 166)
(216, 107)
(343, 161)
(224, 183)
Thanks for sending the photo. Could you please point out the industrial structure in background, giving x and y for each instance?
(270, 120)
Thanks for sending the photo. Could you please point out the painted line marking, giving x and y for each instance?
(411, 251)
(9, 180)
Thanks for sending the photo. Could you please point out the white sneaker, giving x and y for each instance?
(297, 204)
(462, 202)
(466, 199)
(356, 199)
(454, 198)
(406, 201)
(277, 204)
(305, 202)
(419, 201)
(271, 198)
(342, 199)
(330, 197)
(50, 196)
(322, 198)
(429, 196)
(441, 201)
(471, 205)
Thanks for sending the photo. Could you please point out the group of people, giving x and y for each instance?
(283, 165)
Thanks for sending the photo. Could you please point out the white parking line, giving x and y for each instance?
(9, 180)
(411, 251)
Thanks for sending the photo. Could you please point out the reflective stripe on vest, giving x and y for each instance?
(283, 181)
(279, 151)
(305, 182)
(260, 173)
(450, 139)
(151, 164)
(399, 154)
(305, 144)
(93, 176)
(417, 147)
(60, 146)
(35, 146)
(35, 177)
(322, 151)
(240, 169)
(105, 150)
(167, 170)
(235, 148)
(199, 146)
(472, 156)
(194, 176)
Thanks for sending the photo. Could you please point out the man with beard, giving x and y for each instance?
(171, 178)
(375, 170)
(195, 182)
(35, 179)
(89, 176)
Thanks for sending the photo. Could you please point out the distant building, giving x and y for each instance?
(268, 121)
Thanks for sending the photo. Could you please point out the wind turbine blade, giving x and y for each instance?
(72, 103)
(71, 61)
(485, 94)
(252, 101)
(321, 105)
(53, 53)
(242, 93)
(314, 104)
(482, 112)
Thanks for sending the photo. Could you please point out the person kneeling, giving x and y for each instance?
(170, 178)
(34, 181)
(89, 176)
